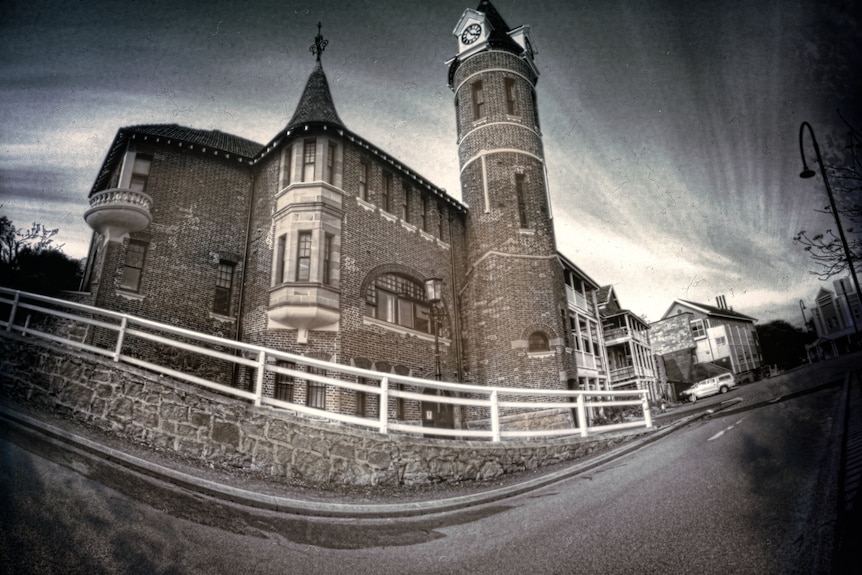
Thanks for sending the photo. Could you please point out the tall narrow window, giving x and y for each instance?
(363, 181)
(133, 265)
(303, 257)
(440, 221)
(223, 288)
(478, 100)
(511, 97)
(535, 107)
(424, 214)
(140, 172)
(330, 164)
(315, 390)
(405, 206)
(286, 166)
(386, 200)
(308, 154)
(281, 244)
(327, 259)
(522, 201)
(284, 382)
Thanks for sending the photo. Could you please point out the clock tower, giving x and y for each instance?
(513, 297)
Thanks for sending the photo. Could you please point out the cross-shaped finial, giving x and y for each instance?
(319, 44)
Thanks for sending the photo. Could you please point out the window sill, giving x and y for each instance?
(221, 318)
(403, 330)
(540, 354)
(130, 295)
(527, 231)
(386, 215)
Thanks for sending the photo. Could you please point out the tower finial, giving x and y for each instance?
(319, 44)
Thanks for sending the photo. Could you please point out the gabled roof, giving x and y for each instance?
(499, 38)
(710, 310)
(604, 295)
(315, 105)
(208, 141)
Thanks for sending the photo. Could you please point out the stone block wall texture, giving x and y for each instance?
(157, 411)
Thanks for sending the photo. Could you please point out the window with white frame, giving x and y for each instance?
(309, 153)
(303, 257)
(398, 300)
(133, 266)
(697, 329)
(140, 172)
(223, 287)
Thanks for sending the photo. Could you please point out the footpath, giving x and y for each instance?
(338, 501)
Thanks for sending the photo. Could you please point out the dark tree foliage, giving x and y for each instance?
(782, 344)
(30, 262)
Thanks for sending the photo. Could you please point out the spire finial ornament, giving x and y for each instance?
(319, 44)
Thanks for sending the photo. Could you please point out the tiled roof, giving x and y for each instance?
(315, 104)
(213, 140)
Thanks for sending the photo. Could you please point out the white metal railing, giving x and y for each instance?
(261, 360)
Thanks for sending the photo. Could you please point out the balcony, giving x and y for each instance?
(118, 212)
(620, 334)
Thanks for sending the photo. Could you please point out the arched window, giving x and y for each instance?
(538, 341)
(398, 300)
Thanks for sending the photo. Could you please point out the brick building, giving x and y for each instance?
(321, 243)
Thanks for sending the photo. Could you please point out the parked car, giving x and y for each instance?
(704, 388)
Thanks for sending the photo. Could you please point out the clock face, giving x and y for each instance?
(471, 33)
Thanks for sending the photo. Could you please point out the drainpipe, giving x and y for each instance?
(241, 294)
(456, 306)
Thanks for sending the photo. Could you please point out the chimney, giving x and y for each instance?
(721, 302)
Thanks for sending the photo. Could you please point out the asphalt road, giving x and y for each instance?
(746, 492)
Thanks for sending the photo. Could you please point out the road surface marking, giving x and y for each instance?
(717, 435)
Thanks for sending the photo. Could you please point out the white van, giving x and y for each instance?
(704, 388)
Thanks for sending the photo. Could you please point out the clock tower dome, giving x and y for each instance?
(513, 298)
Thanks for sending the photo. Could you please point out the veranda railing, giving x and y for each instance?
(23, 307)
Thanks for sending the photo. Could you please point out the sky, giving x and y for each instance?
(671, 129)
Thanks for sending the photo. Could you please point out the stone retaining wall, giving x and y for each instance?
(155, 410)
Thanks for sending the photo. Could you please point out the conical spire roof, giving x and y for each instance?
(315, 104)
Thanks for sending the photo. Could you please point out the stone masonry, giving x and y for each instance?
(145, 408)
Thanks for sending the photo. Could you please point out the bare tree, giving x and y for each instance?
(13, 242)
(844, 170)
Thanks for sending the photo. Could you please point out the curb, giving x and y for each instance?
(227, 493)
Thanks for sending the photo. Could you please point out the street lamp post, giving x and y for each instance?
(433, 293)
(809, 173)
